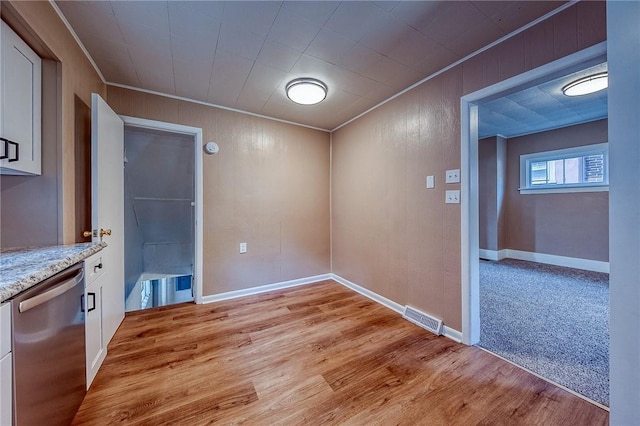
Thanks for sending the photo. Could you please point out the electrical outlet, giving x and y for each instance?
(452, 176)
(243, 248)
(452, 197)
(431, 182)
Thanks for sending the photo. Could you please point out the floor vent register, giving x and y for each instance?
(423, 320)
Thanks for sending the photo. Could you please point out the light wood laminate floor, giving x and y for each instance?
(311, 355)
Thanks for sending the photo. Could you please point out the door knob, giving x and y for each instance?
(87, 234)
(104, 232)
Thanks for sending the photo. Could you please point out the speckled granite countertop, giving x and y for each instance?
(21, 269)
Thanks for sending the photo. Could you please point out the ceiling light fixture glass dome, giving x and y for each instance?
(306, 91)
(587, 85)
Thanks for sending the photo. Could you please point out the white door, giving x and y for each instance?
(107, 208)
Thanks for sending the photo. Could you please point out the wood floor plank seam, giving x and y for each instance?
(311, 355)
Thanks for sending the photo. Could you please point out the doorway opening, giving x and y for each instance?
(475, 240)
(162, 210)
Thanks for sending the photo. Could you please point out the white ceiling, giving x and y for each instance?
(542, 107)
(241, 54)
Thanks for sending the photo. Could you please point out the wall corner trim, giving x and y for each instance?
(264, 288)
(208, 104)
(514, 33)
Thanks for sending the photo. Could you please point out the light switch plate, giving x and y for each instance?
(452, 176)
(452, 197)
(431, 182)
(243, 248)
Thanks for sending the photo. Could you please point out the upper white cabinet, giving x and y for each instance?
(20, 106)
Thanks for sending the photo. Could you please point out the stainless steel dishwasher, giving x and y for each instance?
(49, 350)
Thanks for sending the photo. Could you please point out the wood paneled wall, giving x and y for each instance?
(268, 186)
(570, 224)
(38, 23)
(391, 234)
(492, 177)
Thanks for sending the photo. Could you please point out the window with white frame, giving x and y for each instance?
(579, 169)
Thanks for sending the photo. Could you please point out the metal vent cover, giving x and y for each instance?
(423, 320)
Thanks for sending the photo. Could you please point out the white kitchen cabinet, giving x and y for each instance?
(5, 329)
(96, 350)
(6, 368)
(20, 109)
(6, 397)
(96, 343)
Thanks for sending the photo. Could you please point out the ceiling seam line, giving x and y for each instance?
(133, 64)
(173, 62)
(464, 59)
(256, 60)
(502, 39)
(215, 52)
(209, 104)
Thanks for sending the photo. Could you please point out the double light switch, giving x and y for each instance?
(452, 196)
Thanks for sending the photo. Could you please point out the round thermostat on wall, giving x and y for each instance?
(211, 148)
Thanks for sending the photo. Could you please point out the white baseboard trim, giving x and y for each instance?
(448, 332)
(452, 334)
(551, 259)
(493, 254)
(370, 294)
(265, 288)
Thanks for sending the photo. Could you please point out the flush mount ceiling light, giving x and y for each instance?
(587, 85)
(306, 91)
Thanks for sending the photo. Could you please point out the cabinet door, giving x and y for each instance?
(6, 395)
(21, 106)
(5, 330)
(96, 350)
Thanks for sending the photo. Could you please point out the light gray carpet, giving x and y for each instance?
(549, 319)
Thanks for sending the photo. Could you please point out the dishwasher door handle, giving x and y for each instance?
(61, 288)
